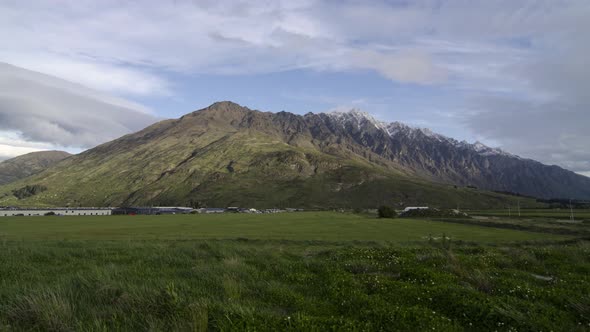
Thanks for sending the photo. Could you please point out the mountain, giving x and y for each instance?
(444, 159)
(29, 164)
(227, 154)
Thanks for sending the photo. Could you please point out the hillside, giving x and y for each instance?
(29, 164)
(229, 155)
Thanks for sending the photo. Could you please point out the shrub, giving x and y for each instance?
(50, 213)
(28, 191)
(386, 212)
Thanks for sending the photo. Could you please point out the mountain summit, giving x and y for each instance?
(227, 154)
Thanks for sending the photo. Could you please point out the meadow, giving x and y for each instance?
(581, 214)
(306, 226)
(313, 271)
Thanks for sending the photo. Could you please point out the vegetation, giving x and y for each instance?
(566, 203)
(29, 164)
(301, 226)
(300, 271)
(28, 191)
(386, 212)
(560, 213)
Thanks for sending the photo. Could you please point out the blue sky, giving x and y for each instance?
(512, 74)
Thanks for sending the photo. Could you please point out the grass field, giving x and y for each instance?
(307, 226)
(302, 271)
(583, 214)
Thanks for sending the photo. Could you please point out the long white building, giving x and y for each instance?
(11, 212)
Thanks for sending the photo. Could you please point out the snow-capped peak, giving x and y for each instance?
(358, 119)
(396, 127)
(483, 149)
(358, 116)
(480, 147)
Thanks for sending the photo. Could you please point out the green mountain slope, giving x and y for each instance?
(29, 164)
(229, 155)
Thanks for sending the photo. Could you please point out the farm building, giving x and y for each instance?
(152, 210)
(211, 210)
(10, 212)
(411, 208)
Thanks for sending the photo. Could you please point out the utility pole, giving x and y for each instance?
(518, 207)
(509, 214)
(571, 211)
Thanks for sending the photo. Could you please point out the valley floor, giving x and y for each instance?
(302, 271)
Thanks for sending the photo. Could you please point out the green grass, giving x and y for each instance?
(536, 213)
(319, 226)
(299, 272)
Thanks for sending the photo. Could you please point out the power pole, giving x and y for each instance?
(509, 214)
(518, 207)
(571, 211)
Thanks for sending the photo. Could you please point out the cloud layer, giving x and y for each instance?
(225, 37)
(41, 112)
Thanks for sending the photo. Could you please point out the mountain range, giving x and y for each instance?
(227, 154)
(441, 158)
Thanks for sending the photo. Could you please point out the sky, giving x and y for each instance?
(510, 74)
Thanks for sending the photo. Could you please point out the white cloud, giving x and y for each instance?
(116, 43)
(97, 75)
(407, 66)
(131, 42)
(39, 112)
(12, 145)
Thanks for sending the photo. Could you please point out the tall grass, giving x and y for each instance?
(275, 285)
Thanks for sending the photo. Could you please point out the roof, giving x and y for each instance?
(416, 208)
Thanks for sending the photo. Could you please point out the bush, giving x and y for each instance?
(28, 191)
(50, 213)
(386, 212)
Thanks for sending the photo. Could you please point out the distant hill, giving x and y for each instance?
(229, 155)
(29, 164)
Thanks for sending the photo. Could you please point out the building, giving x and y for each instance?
(134, 211)
(411, 208)
(157, 210)
(11, 212)
(173, 210)
(211, 210)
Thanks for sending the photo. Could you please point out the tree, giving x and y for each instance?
(386, 212)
